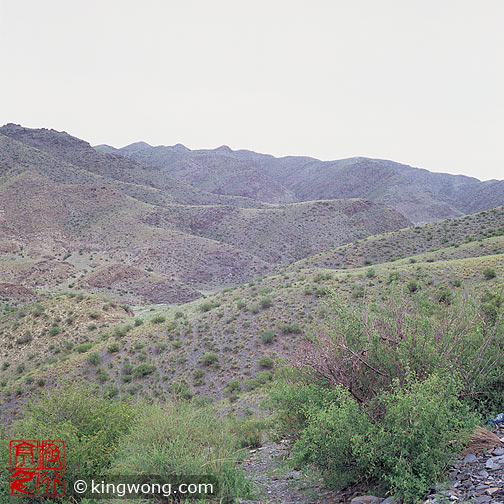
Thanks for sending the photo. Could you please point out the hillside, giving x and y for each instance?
(86, 213)
(418, 194)
(200, 347)
(456, 238)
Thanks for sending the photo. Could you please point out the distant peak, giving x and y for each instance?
(181, 147)
(223, 148)
(140, 144)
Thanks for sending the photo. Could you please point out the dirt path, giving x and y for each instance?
(275, 483)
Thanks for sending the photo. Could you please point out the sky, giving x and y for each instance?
(417, 81)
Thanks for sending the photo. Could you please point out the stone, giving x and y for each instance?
(498, 451)
(495, 463)
(366, 499)
(389, 500)
(482, 499)
(470, 457)
(492, 490)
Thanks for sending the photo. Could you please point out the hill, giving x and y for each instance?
(458, 238)
(418, 194)
(84, 213)
(202, 347)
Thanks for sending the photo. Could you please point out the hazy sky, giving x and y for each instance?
(416, 81)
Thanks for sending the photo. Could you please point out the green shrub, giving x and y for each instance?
(420, 428)
(266, 361)
(412, 286)
(158, 319)
(394, 276)
(208, 305)
(120, 332)
(54, 331)
(492, 303)
(143, 370)
(210, 359)
(83, 347)
(266, 302)
(113, 347)
(232, 386)
(264, 377)
(489, 273)
(371, 273)
(87, 423)
(267, 336)
(357, 291)
(290, 328)
(94, 358)
(445, 296)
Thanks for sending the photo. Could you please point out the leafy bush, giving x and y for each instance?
(266, 361)
(158, 319)
(412, 286)
(83, 347)
(402, 440)
(290, 328)
(210, 359)
(94, 358)
(445, 296)
(143, 369)
(267, 336)
(369, 346)
(90, 425)
(54, 331)
(266, 302)
(489, 273)
(208, 305)
(113, 347)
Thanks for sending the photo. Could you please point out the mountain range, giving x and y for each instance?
(418, 194)
(147, 224)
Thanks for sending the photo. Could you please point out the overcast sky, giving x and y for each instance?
(416, 81)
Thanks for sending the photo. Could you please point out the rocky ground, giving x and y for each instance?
(477, 477)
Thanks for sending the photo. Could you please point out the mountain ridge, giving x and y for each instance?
(421, 195)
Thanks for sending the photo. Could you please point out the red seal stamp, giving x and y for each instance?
(36, 468)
